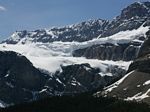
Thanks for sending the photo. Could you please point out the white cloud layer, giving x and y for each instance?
(2, 8)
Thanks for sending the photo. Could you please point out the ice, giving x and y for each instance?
(51, 58)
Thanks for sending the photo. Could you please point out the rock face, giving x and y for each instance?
(18, 78)
(145, 47)
(136, 9)
(135, 85)
(125, 52)
(79, 78)
(142, 62)
(83, 78)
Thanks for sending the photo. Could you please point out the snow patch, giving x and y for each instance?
(115, 85)
(139, 96)
(9, 84)
(2, 104)
(74, 82)
(6, 75)
(58, 81)
(138, 86)
(146, 83)
(43, 90)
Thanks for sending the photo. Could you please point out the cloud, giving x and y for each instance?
(2, 8)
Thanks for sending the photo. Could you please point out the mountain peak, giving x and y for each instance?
(137, 9)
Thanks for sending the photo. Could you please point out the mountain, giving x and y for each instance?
(136, 84)
(119, 39)
(21, 82)
(18, 78)
(131, 17)
(78, 32)
(74, 59)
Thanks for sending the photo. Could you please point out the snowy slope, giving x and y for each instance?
(136, 84)
(133, 86)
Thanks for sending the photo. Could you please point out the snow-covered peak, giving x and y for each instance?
(79, 32)
(131, 17)
(139, 9)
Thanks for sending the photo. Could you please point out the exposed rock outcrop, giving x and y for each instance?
(125, 52)
(18, 78)
(136, 84)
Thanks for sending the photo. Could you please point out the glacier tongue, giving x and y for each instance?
(51, 61)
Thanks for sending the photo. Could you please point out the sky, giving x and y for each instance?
(17, 15)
